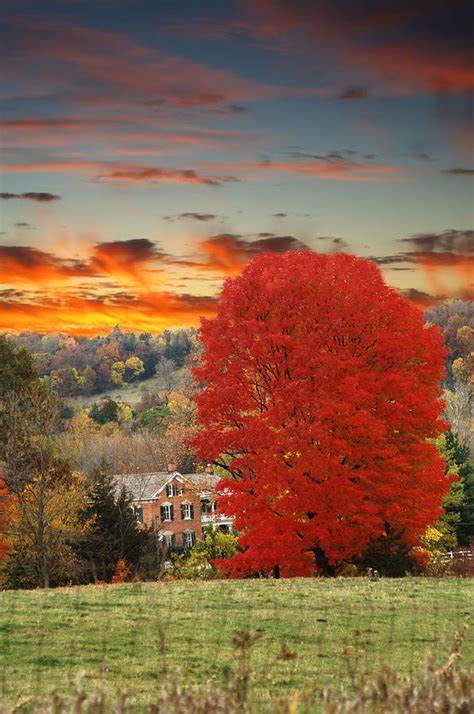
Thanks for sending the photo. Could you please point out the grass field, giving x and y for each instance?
(311, 632)
(129, 393)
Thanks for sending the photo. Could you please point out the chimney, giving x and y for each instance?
(171, 467)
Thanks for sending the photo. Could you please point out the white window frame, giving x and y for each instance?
(173, 489)
(168, 507)
(189, 539)
(187, 511)
(170, 540)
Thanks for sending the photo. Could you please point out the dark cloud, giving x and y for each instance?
(437, 255)
(331, 156)
(459, 172)
(231, 109)
(451, 247)
(133, 249)
(279, 215)
(41, 197)
(449, 241)
(354, 93)
(23, 224)
(228, 253)
(238, 109)
(203, 217)
(340, 243)
(275, 244)
(335, 156)
(336, 244)
(143, 174)
(421, 156)
(422, 299)
(388, 259)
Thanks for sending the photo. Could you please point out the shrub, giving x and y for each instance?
(199, 563)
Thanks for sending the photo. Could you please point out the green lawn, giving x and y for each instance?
(312, 632)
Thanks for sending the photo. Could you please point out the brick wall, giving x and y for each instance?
(152, 512)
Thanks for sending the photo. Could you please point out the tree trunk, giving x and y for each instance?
(322, 561)
(276, 572)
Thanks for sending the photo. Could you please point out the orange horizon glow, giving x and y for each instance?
(83, 311)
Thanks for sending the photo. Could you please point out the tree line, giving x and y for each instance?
(58, 454)
(84, 366)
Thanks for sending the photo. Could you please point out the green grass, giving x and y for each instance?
(312, 632)
(129, 393)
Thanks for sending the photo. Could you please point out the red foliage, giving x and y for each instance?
(4, 546)
(122, 572)
(322, 388)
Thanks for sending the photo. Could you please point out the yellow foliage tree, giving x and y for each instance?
(46, 520)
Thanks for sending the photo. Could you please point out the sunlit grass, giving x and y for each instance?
(311, 632)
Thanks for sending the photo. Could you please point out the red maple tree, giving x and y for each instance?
(321, 390)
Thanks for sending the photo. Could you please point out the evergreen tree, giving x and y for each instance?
(115, 534)
(460, 456)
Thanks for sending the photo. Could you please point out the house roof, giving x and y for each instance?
(202, 481)
(147, 486)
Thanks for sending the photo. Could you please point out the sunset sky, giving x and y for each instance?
(151, 148)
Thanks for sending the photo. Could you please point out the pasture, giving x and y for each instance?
(305, 633)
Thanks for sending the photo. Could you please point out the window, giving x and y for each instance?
(173, 489)
(138, 512)
(170, 541)
(167, 512)
(205, 506)
(189, 539)
(187, 511)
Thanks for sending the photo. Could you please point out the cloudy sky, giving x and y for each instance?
(151, 148)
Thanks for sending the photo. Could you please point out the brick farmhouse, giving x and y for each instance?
(178, 505)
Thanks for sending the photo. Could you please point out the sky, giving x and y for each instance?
(151, 148)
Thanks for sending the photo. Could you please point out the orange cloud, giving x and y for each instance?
(327, 170)
(20, 264)
(133, 134)
(128, 261)
(79, 314)
(342, 170)
(440, 257)
(81, 303)
(117, 171)
(227, 254)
